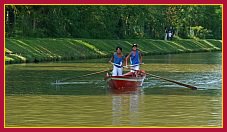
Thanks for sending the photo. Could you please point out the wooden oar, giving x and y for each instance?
(127, 65)
(116, 64)
(173, 81)
(166, 79)
(135, 65)
(84, 75)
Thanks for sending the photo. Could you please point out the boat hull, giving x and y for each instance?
(128, 81)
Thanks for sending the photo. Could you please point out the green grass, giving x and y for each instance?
(47, 49)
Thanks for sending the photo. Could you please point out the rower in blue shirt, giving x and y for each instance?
(135, 58)
(118, 59)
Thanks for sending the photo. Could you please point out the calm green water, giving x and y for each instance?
(32, 101)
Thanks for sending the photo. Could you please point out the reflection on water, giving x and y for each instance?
(128, 103)
(31, 99)
(117, 106)
(122, 110)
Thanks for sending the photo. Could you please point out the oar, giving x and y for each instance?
(166, 79)
(135, 65)
(173, 81)
(85, 75)
(127, 65)
(116, 64)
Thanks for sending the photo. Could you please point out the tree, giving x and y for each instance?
(112, 22)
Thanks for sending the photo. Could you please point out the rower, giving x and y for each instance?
(135, 58)
(117, 59)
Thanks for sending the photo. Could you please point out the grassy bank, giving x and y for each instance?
(46, 49)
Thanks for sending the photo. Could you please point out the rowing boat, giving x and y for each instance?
(130, 80)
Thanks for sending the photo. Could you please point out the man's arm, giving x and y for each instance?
(126, 59)
(140, 57)
(111, 59)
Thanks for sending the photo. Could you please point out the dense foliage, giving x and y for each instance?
(113, 21)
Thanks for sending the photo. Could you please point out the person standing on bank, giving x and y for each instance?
(166, 33)
(135, 58)
(117, 60)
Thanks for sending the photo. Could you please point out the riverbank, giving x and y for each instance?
(47, 49)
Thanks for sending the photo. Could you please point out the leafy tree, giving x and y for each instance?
(113, 22)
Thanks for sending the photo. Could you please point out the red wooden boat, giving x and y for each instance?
(130, 80)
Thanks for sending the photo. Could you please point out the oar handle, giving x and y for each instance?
(127, 65)
(135, 64)
(116, 64)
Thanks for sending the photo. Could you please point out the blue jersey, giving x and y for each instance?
(134, 58)
(118, 60)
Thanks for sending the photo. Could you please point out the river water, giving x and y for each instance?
(32, 100)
